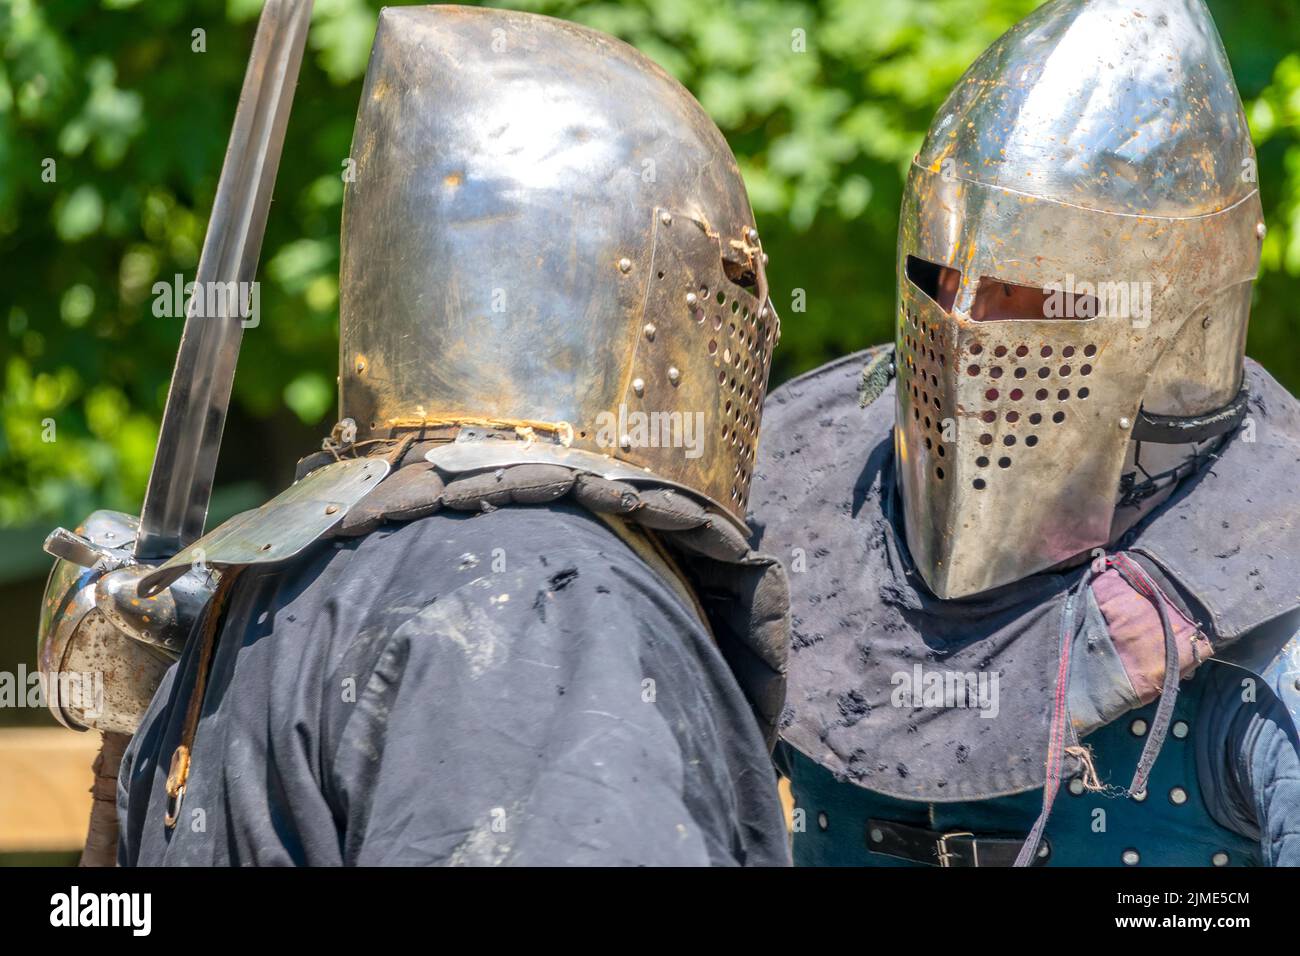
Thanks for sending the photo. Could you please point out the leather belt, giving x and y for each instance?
(955, 848)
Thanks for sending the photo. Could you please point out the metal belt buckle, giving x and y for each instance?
(945, 855)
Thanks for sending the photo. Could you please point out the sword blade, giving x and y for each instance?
(180, 484)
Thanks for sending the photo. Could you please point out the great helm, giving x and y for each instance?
(545, 232)
(1077, 243)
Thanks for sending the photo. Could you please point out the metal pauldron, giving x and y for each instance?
(111, 625)
(102, 649)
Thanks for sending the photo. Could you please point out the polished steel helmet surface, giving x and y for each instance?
(544, 230)
(1077, 242)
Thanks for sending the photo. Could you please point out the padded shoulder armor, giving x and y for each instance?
(745, 595)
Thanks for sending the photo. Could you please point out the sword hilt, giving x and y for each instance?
(71, 546)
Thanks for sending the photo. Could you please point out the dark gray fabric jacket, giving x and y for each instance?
(516, 687)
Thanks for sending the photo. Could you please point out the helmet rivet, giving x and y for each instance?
(638, 386)
(765, 258)
(1124, 423)
(624, 265)
(674, 375)
(1261, 230)
(624, 443)
(666, 218)
(762, 313)
(692, 299)
(752, 235)
(650, 331)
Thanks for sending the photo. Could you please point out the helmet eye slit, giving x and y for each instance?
(998, 300)
(937, 282)
(740, 274)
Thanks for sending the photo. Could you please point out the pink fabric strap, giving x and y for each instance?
(1134, 627)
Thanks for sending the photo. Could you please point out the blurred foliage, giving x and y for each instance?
(113, 125)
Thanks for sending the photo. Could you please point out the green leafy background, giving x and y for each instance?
(136, 122)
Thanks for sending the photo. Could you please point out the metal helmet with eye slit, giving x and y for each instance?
(1077, 242)
(545, 234)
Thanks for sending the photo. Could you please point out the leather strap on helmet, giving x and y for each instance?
(1189, 429)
